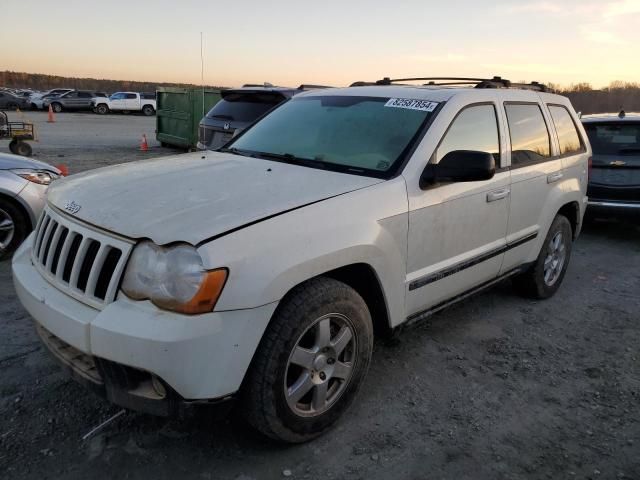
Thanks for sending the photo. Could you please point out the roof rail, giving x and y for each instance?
(495, 82)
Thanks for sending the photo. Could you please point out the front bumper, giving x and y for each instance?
(198, 359)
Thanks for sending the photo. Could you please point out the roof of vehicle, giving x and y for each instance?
(439, 89)
(268, 88)
(611, 117)
(431, 93)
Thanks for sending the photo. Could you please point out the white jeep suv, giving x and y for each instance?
(263, 271)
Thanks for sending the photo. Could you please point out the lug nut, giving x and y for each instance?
(323, 376)
(330, 361)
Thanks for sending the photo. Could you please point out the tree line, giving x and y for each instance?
(611, 99)
(42, 82)
(616, 96)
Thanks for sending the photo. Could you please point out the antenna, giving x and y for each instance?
(202, 70)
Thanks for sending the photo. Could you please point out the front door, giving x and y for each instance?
(457, 230)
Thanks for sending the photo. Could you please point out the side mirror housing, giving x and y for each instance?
(459, 166)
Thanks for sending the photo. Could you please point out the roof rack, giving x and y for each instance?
(495, 82)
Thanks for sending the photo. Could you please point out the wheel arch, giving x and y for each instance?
(571, 211)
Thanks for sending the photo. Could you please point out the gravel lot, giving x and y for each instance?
(494, 388)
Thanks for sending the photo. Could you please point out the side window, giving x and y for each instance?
(84, 95)
(70, 95)
(130, 96)
(117, 96)
(475, 128)
(568, 136)
(530, 141)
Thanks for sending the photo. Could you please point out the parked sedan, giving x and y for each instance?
(9, 101)
(614, 183)
(23, 187)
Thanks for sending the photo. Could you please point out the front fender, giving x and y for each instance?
(268, 259)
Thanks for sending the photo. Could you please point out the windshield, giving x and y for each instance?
(239, 107)
(614, 138)
(366, 135)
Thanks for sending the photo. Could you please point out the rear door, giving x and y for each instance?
(70, 100)
(132, 101)
(536, 175)
(615, 175)
(84, 100)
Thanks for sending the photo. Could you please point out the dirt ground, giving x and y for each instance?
(497, 387)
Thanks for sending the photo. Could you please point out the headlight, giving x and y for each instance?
(41, 177)
(172, 278)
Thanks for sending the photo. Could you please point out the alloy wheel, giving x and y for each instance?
(7, 229)
(321, 365)
(556, 256)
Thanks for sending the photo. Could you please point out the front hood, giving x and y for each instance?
(10, 161)
(194, 197)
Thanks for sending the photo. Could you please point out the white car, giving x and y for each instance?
(262, 272)
(125, 102)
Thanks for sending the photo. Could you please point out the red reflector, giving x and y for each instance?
(63, 170)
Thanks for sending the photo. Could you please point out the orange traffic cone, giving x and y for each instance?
(63, 169)
(52, 118)
(144, 146)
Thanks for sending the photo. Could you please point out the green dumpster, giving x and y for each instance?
(179, 112)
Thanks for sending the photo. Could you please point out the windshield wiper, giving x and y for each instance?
(237, 151)
(628, 151)
(290, 158)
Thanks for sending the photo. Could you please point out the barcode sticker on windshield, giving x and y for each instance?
(412, 104)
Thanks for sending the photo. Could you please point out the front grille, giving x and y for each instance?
(79, 260)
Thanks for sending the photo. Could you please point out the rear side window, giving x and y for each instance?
(130, 96)
(568, 136)
(475, 128)
(530, 142)
(84, 95)
(244, 107)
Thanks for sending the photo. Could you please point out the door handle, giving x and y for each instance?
(498, 195)
(554, 177)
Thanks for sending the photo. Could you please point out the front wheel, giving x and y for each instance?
(102, 109)
(14, 228)
(56, 107)
(544, 277)
(311, 362)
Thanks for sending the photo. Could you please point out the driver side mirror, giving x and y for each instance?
(459, 166)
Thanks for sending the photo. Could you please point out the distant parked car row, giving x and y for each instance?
(69, 99)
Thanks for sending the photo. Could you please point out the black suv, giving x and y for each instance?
(240, 107)
(614, 183)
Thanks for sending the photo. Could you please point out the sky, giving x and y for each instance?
(328, 42)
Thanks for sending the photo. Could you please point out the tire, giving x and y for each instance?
(102, 109)
(148, 110)
(267, 395)
(23, 149)
(56, 107)
(12, 106)
(540, 282)
(12, 146)
(11, 217)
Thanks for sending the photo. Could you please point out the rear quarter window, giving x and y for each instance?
(568, 136)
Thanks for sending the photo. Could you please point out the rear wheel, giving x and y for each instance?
(14, 227)
(544, 277)
(56, 107)
(311, 362)
(23, 149)
(12, 146)
(148, 110)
